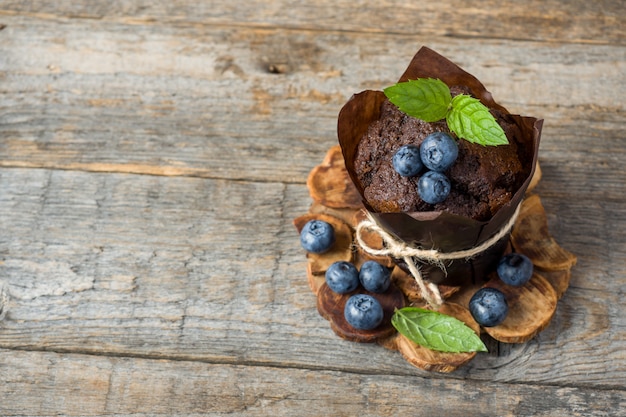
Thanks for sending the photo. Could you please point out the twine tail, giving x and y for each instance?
(429, 291)
(397, 249)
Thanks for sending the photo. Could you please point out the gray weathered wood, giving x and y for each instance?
(133, 386)
(189, 268)
(153, 156)
(192, 96)
(598, 22)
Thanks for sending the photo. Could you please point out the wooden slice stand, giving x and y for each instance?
(531, 307)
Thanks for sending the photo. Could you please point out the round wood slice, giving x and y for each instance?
(464, 294)
(345, 214)
(360, 259)
(411, 290)
(531, 308)
(530, 236)
(558, 279)
(330, 184)
(341, 249)
(390, 342)
(431, 360)
(331, 306)
(315, 280)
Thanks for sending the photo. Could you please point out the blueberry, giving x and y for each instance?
(342, 277)
(375, 277)
(407, 161)
(317, 236)
(515, 269)
(363, 312)
(433, 187)
(438, 151)
(488, 307)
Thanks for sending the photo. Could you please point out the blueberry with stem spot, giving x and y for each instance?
(433, 187)
(342, 277)
(407, 161)
(515, 269)
(488, 307)
(375, 277)
(438, 151)
(317, 236)
(363, 312)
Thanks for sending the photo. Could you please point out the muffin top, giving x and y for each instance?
(483, 178)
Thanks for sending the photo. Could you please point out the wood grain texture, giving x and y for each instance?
(553, 20)
(133, 386)
(168, 267)
(174, 105)
(154, 154)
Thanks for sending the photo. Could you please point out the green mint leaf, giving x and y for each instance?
(436, 331)
(425, 98)
(469, 119)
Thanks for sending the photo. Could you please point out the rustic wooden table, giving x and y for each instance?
(154, 154)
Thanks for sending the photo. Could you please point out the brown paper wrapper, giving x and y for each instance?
(438, 229)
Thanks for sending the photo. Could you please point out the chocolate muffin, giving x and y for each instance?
(483, 178)
(487, 182)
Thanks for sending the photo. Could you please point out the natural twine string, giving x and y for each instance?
(398, 249)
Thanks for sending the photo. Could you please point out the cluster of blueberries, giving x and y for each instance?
(437, 153)
(362, 311)
(488, 305)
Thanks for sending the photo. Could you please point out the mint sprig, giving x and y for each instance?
(426, 98)
(436, 331)
(430, 99)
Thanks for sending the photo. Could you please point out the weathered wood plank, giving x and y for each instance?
(43, 384)
(210, 270)
(556, 21)
(199, 101)
(185, 288)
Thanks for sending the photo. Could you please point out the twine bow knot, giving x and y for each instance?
(401, 250)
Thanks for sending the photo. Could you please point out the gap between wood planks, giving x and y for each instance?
(140, 169)
(179, 23)
(466, 377)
